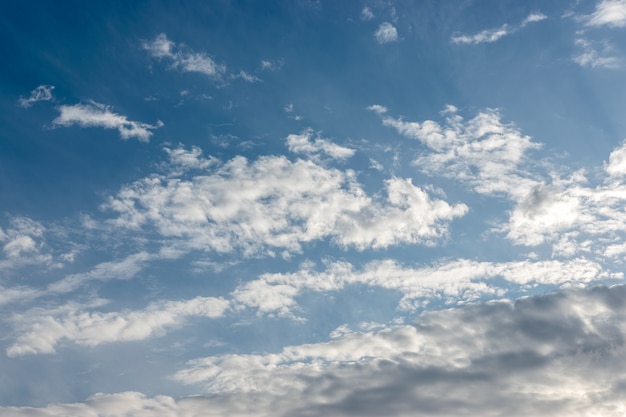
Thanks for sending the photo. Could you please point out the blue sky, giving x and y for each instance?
(312, 208)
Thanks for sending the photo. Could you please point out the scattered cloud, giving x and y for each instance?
(44, 329)
(182, 59)
(386, 33)
(608, 13)
(99, 115)
(549, 205)
(594, 57)
(41, 93)
(492, 35)
(304, 144)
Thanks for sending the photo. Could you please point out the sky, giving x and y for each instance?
(312, 208)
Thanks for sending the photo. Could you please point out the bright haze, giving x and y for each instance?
(313, 208)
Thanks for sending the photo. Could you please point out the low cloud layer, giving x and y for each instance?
(557, 355)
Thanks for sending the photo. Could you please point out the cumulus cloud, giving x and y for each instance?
(492, 35)
(608, 13)
(305, 144)
(483, 151)
(41, 93)
(276, 204)
(99, 115)
(42, 329)
(455, 281)
(182, 59)
(386, 33)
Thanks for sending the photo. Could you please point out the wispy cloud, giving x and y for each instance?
(492, 35)
(458, 281)
(366, 14)
(304, 143)
(99, 115)
(182, 59)
(594, 57)
(386, 33)
(44, 329)
(608, 13)
(41, 93)
(247, 77)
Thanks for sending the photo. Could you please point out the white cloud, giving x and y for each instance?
(377, 108)
(273, 203)
(303, 144)
(41, 93)
(609, 13)
(41, 329)
(492, 35)
(616, 167)
(190, 159)
(184, 60)
(483, 151)
(454, 281)
(366, 14)
(98, 115)
(386, 33)
(593, 57)
(549, 205)
(247, 77)
(23, 244)
(533, 17)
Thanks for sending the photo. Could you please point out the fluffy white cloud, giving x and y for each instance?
(98, 115)
(483, 151)
(41, 329)
(549, 206)
(609, 13)
(184, 60)
(276, 204)
(492, 35)
(304, 144)
(41, 93)
(460, 280)
(386, 33)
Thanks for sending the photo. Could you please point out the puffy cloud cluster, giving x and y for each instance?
(274, 204)
(491, 157)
